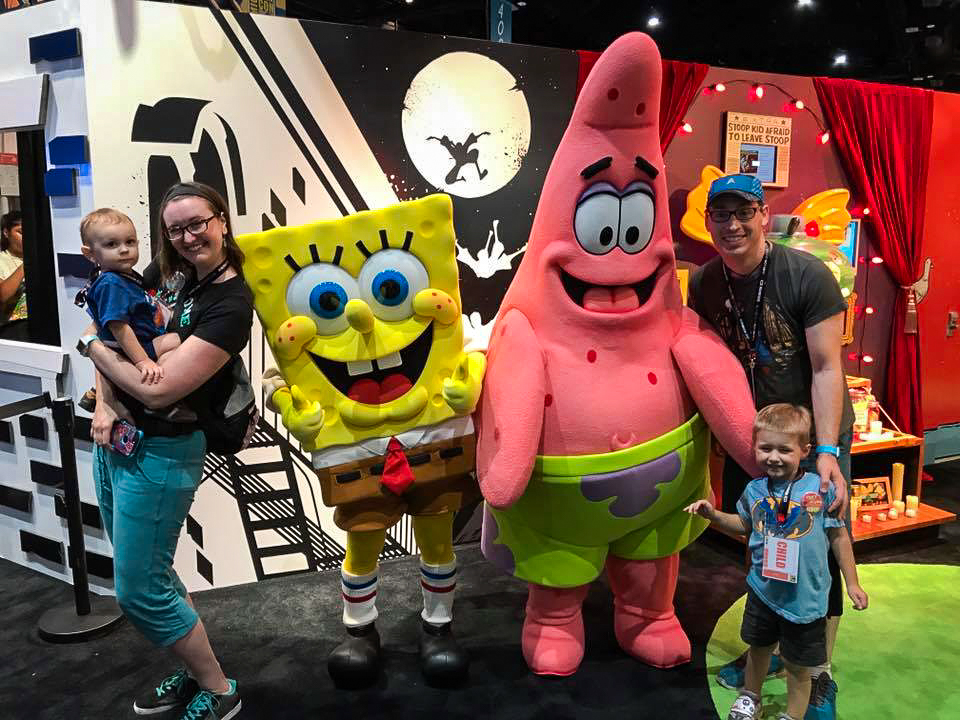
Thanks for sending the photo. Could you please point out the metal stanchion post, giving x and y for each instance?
(88, 617)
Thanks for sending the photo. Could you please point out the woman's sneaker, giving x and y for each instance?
(208, 705)
(173, 693)
(745, 707)
(732, 675)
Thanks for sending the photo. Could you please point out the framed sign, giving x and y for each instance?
(758, 145)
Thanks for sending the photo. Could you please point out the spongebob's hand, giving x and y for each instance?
(303, 418)
(462, 391)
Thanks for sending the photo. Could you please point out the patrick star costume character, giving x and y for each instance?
(601, 385)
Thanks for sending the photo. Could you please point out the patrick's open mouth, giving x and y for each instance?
(378, 381)
(608, 298)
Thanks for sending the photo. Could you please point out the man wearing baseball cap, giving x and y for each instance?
(781, 313)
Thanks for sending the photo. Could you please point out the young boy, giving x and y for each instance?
(785, 517)
(116, 300)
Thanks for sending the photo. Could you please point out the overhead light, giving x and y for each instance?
(653, 21)
(804, 3)
(521, 3)
(840, 59)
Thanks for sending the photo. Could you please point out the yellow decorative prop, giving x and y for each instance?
(828, 209)
(363, 315)
(694, 220)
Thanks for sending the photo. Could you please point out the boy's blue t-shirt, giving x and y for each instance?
(113, 296)
(805, 600)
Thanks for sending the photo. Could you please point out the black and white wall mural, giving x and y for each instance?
(296, 122)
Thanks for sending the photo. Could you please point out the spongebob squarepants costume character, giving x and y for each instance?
(363, 315)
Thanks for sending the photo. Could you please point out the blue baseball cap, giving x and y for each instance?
(747, 187)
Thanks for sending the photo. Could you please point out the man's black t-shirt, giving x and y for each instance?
(800, 292)
(220, 313)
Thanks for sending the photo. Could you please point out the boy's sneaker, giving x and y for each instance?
(208, 705)
(88, 401)
(823, 698)
(731, 675)
(745, 707)
(172, 693)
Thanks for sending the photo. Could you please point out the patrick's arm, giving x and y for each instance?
(716, 381)
(510, 417)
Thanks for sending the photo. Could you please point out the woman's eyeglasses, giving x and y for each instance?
(743, 214)
(194, 228)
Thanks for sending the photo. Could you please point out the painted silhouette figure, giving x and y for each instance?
(462, 155)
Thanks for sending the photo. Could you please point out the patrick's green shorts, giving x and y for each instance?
(576, 510)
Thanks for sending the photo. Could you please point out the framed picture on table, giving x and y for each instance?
(874, 493)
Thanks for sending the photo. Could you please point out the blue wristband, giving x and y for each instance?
(829, 449)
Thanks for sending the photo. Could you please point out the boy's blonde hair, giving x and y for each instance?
(784, 418)
(103, 216)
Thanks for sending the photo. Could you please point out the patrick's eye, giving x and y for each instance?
(637, 215)
(597, 223)
(389, 280)
(321, 291)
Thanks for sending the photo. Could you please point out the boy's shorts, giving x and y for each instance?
(804, 645)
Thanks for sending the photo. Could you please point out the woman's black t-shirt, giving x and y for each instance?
(220, 313)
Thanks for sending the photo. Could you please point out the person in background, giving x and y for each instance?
(781, 313)
(145, 496)
(783, 514)
(13, 293)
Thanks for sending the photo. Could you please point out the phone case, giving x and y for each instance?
(125, 438)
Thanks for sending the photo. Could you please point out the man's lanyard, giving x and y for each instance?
(783, 505)
(753, 337)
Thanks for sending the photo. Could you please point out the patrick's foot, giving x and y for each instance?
(656, 641)
(553, 630)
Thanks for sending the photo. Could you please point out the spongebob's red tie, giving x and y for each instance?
(397, 475)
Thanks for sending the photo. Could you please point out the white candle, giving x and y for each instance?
(899, 505)
(911, 512)
(913, 502)
(876, 427)
(892, 513)
(882, 517)
(866, 519)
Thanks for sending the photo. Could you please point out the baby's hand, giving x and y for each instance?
(859, 597)
(703, 508)
(150, 372)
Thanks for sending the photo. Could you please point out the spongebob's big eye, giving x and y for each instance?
(597, 220)
(321, 291)
(637, 215)
(389, 280)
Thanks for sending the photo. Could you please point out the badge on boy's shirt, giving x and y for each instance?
(812, 502)
(781, 559)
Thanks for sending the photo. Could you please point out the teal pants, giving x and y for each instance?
(144, 500)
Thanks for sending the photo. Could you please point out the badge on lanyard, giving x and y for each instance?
(781, 558)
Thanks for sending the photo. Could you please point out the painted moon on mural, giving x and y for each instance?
(466, 124)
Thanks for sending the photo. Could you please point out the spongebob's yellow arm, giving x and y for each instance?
(462, 391)
(303, 418)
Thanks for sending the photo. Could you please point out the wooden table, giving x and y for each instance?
(927, 516)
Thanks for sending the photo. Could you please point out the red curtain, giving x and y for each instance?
(882, 133)
(681, 81)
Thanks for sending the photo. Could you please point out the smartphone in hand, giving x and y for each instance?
(125, 438)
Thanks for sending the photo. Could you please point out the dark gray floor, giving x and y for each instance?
(274, 637)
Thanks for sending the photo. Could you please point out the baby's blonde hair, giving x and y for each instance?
(784, 418)
(103, 216)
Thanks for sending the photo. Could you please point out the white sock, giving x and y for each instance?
(825, 668)
(438, 583)
(359, 597)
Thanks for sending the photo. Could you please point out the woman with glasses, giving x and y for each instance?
(145, 495)
(13, 293)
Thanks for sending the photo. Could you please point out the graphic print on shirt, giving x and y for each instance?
(763, 515)
(778, 344)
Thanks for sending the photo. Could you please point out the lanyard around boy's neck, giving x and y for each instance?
(783, 504)
(752, 338)
(209, 278)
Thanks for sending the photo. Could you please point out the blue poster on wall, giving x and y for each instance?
(501, 21)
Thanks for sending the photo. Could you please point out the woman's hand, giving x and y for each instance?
(105, 414)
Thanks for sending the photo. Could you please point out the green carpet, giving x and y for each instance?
(897, 660)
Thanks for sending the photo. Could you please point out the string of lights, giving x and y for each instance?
(757, 92)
